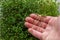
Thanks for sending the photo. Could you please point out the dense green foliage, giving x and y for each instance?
(14, 13)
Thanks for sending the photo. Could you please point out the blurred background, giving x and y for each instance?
(14, 12)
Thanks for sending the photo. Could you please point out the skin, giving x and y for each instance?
(43, 27)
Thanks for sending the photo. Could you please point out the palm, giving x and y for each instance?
(49, 29)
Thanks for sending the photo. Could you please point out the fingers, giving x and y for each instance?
(29, 25)
(31, 20)
(35, 33)
(36, 22)
(42, 24)
(41, 18)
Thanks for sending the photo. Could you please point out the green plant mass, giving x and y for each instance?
(14, 13)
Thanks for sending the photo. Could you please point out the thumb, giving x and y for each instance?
(57, 24)
(52, 21)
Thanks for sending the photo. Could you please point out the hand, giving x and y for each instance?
(43, 27)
